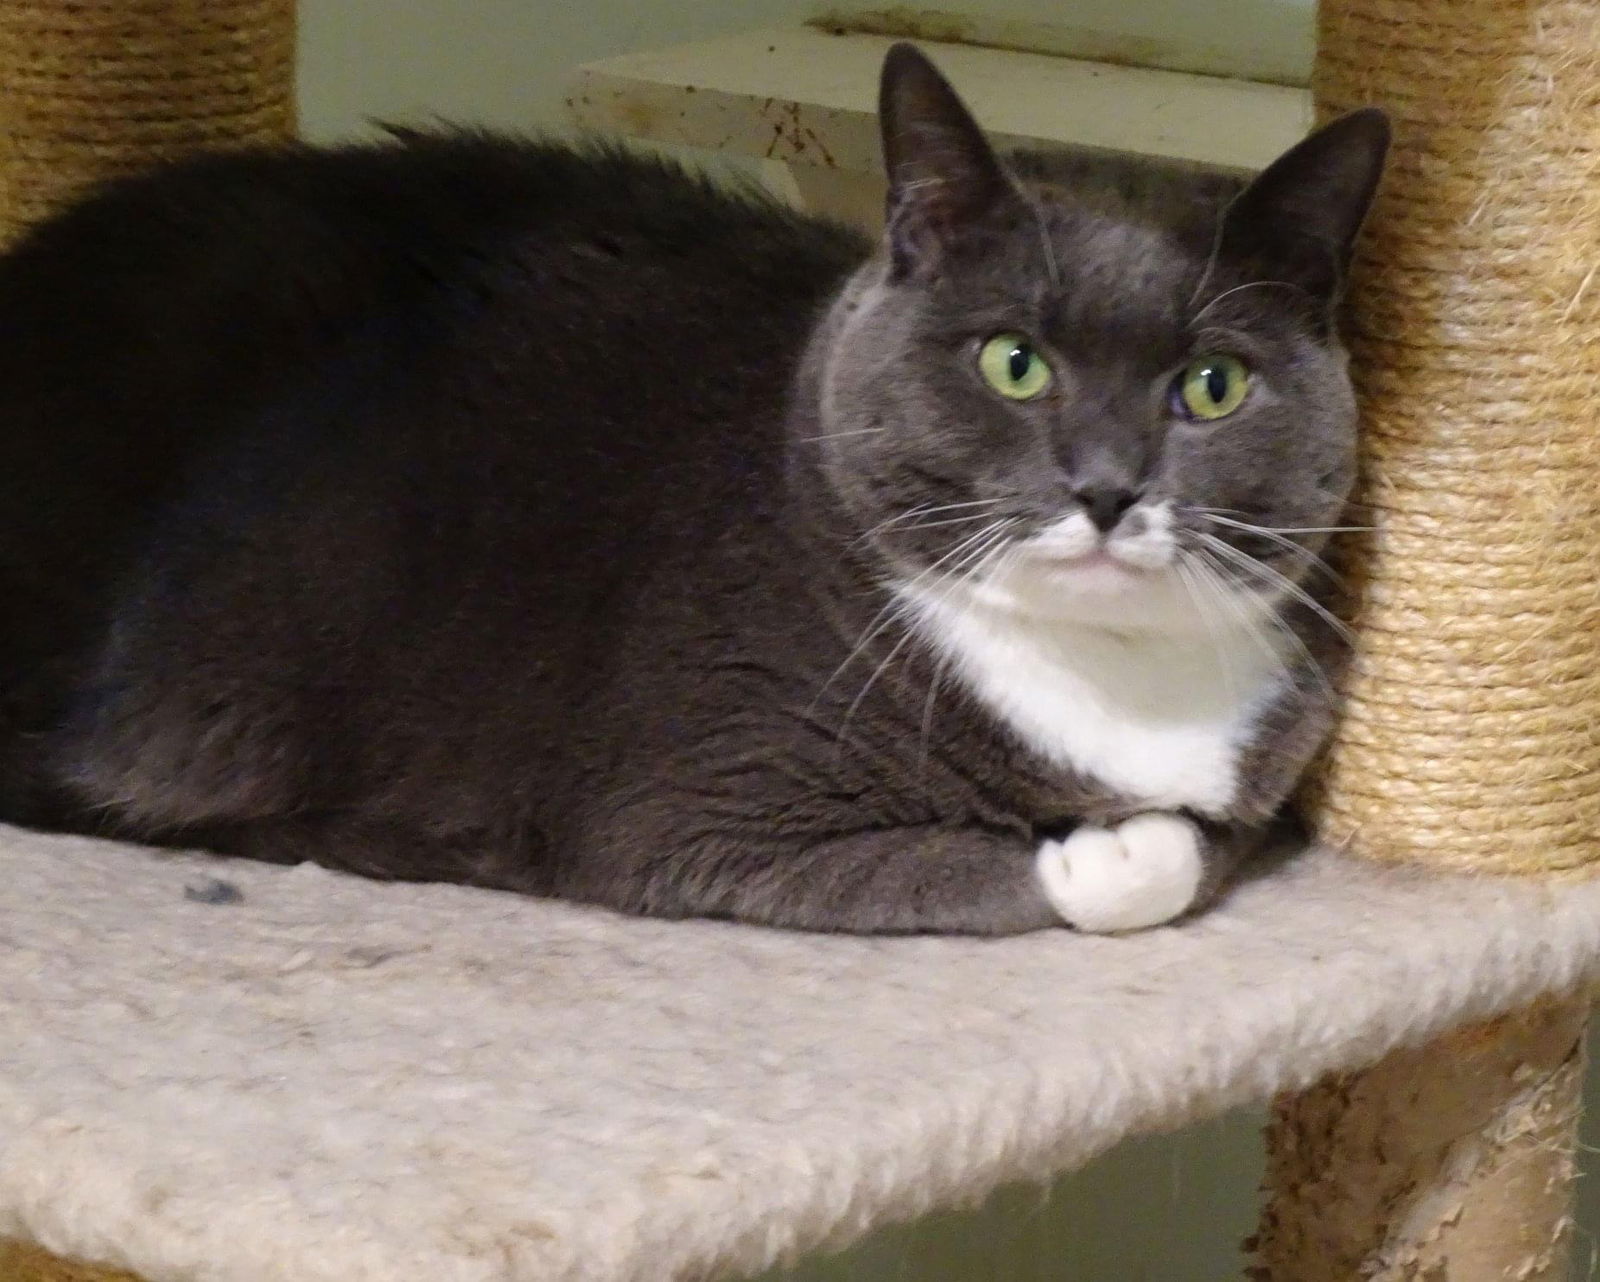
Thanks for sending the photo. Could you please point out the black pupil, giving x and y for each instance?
(1021, 358)
(1216, 378)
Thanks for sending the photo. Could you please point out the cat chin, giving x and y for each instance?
(1098, 594)
(1098, 590)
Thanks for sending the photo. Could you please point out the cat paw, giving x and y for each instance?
(1142, 873)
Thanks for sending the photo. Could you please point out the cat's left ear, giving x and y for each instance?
(1304, 211)
(942, 172)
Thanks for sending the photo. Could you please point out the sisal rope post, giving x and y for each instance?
(96, 89)
(1472, 735)
(100, 88)
(24, 1262)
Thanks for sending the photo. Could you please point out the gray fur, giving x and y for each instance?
(574, 582)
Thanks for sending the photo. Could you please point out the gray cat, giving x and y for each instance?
(467, 509)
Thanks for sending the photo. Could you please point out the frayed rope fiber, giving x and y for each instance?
(1472, 736)
(100, 88)
(24, 1262)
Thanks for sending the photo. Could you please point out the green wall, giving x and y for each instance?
(503, 61)
(1157, 1209)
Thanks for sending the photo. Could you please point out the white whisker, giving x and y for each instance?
(976, 565)
(1281, 529)
(922, 510)
(1044, 239)
(877, 672)
(1272, 536)
(1254, 284)
(1282, 583)
(892, 612)
(1211, 258)
(950, 520)
(927, 711)
(1277, 624)
(834, 436)
(1207, 594)
(1246, 621)
(1203, 607)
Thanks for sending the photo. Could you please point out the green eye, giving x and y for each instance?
(1211, 387)
(1011, 366)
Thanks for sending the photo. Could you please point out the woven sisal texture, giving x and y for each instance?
(98, 88)
(22, 1262)
(1473, 733)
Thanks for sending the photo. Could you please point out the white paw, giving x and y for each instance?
(1141, 873)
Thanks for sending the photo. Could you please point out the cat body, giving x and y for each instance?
(475, 510)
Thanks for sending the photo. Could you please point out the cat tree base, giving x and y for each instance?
(1453, 1160)
(329, 1080)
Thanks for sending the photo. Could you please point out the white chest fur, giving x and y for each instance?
(1160, 719)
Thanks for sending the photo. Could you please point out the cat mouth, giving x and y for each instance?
(1074, 548)
(1103, 560)
(1098, 570)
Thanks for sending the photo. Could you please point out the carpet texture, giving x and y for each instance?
(304, 1077)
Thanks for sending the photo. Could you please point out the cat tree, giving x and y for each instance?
(327, 1081)
(1472, 735)
(98, 88)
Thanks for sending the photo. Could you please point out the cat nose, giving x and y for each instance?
(1105, 504)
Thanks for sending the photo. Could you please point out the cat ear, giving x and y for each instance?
(1304, 211)
(942, 171)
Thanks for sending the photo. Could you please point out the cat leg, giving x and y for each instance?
(915, 880)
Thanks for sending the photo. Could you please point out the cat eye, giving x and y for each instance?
(1010, 365)
(1210, 387)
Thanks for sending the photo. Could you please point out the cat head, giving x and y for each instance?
(1071, 384)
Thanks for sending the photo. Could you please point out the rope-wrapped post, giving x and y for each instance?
(1471, 740)
(99, 88)
(96, 89)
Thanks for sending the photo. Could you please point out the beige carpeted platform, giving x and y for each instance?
(329, 1080)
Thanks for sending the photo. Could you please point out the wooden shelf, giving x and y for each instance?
(807, 98)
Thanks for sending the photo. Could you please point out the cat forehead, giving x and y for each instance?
(1151, 218)
(1104, 264)
(1179, 196)
(1150, 240)
(1082, 274)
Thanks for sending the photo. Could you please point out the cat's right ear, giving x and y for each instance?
(942, 171)
(1304, 211)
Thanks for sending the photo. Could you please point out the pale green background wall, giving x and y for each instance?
(1167, 1209)
(504, 60)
